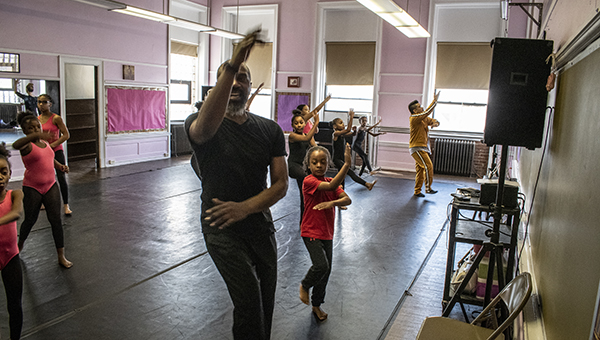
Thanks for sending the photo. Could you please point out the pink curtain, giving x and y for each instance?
(135, 110)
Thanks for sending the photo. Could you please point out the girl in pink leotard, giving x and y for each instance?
(11, 208)
(39, 183)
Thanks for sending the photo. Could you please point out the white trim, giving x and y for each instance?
(228, 12)
(400, 94)
(137, 84)
(431, 55)
(90, 60)
(101, 115)
(293, 72)
(403, 74)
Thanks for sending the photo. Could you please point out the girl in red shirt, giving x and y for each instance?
(321, 195)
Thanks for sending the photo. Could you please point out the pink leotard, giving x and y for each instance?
(49, 126)
(39, 168)
(8, 233)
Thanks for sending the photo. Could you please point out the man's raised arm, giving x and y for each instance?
(213, 110)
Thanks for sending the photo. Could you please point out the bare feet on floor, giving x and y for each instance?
(68, 211)
(62, 260)
(304, 295)
(370, 185)
(319, 313)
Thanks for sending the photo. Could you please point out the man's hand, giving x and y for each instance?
(224, 214)
(242, 50)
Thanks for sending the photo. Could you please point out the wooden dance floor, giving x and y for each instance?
(141, 270)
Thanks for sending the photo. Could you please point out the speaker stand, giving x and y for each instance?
(493, 246)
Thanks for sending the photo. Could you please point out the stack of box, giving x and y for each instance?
(483, 275)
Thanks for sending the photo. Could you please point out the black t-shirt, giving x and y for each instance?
(234, 165)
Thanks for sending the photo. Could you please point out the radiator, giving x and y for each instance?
(453, 156)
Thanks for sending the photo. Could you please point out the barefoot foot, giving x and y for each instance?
(68, 211)
(62, 260)
(370, 185)
(319, 313)
(304, 295)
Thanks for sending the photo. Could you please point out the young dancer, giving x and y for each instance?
(307, 114)
(52, 123)
(339, 132)
(321, 195)
(360, 137)
(299, 142)
(39, 183)
(11, 208)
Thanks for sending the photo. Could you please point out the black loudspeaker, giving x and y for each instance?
(517, 94)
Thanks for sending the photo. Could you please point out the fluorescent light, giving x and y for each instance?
(146, 14)
(396, 16)
(190, 25)
(226, 34)
(504, 9)
(115, 6)
(106, 4)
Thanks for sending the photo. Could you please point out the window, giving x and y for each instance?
(461, 110)
(344, 97)
(183, 86)
(462, 76)
(349, 77)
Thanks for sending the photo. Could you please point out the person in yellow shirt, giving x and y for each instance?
(419, 144)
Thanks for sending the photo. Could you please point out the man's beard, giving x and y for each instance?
(236, 108)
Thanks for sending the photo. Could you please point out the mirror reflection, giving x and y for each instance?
(21, 94)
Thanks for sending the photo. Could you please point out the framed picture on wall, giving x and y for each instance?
(293, 81)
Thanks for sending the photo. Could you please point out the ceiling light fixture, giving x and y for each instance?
(396, 16)
(119, 7)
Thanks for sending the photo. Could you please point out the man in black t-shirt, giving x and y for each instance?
(235, 150)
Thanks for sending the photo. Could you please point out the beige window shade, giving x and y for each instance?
(463, 66)
(185, 49)
(260, 64)
(350, 63)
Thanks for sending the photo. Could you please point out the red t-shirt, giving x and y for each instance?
(318, 223)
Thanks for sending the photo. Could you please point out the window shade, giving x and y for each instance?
(260, 63)
(350, 63)
(185, 49)
(463, 66)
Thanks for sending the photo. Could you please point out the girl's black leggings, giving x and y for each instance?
(32, 202)
(12, 277)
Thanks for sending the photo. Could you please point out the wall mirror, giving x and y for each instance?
(10, 62)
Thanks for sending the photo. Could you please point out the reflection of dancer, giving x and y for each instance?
(307, 114)
(360, 137)
(235, 151)
(53, 124)
(299, 142)
(419, 144)
(321, 195)
(39, 183)
(339, 132)
(29, 100)
(11, 208)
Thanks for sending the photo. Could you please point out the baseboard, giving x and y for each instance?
(531, 324)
